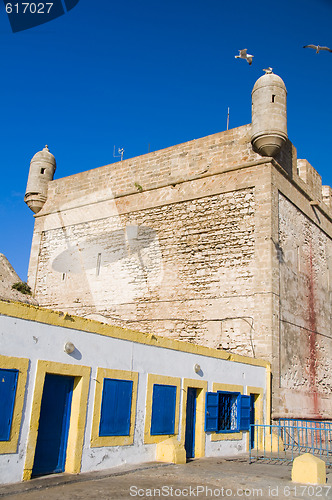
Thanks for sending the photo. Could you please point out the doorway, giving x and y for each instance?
(256, 414)
(189, 443)
(252, 420)
(51, 446)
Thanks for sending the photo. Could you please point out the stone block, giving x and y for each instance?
(171, 451)
(308, 469)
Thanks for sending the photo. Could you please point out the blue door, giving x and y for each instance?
(252, 420)
(189, 443)
(50, 454)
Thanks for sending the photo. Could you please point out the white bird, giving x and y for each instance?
(243, 55)
(317, 48)
(268, 70)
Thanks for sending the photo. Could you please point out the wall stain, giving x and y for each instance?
(312, 335)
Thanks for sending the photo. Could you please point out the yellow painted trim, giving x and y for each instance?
(22, 365)
(231, 436)
(171, 451)
(268, 394)
(49, 317)
(77, 415)
(201, 386)
(96, 440)
(259, 408)
(160, 379)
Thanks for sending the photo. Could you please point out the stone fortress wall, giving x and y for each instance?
(208, 242)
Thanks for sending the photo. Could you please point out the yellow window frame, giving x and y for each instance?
(22, 365)
(224, 436)
(99, 441)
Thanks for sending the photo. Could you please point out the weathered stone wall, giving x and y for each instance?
(305, 306)
(184, 162)
(197, 242)
(163, 243)
(157, 269)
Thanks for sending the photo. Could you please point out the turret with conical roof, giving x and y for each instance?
(42, 168)
(269, 114)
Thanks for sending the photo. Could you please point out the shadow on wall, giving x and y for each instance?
(113, 267)
(116, 245)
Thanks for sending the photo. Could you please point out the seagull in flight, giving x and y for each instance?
(243, 55)
(317, 48)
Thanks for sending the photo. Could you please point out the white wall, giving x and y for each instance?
(38, 341)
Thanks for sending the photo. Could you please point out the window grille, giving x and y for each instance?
(227, 412)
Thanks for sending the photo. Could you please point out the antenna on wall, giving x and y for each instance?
(120, 155)
(227, 118)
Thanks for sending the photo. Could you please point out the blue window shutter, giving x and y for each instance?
(163, 409)
(8, 382)
(116, 407)
(211, 411)
(243, 413)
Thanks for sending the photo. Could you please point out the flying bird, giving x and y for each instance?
(317, 48)
(243, 55)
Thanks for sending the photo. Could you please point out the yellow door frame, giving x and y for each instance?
(201, 386)
(77, 421)
(258, 392)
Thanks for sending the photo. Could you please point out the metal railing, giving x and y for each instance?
(287, 439)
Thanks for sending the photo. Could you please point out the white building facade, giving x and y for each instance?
(80, 396)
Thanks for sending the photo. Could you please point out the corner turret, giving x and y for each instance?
(42, 168)
(269, 114)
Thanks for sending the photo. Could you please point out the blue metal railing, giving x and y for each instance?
(283, 441)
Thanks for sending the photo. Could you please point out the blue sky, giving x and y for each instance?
(135, 73)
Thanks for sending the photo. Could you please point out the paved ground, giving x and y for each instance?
(206, 478)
